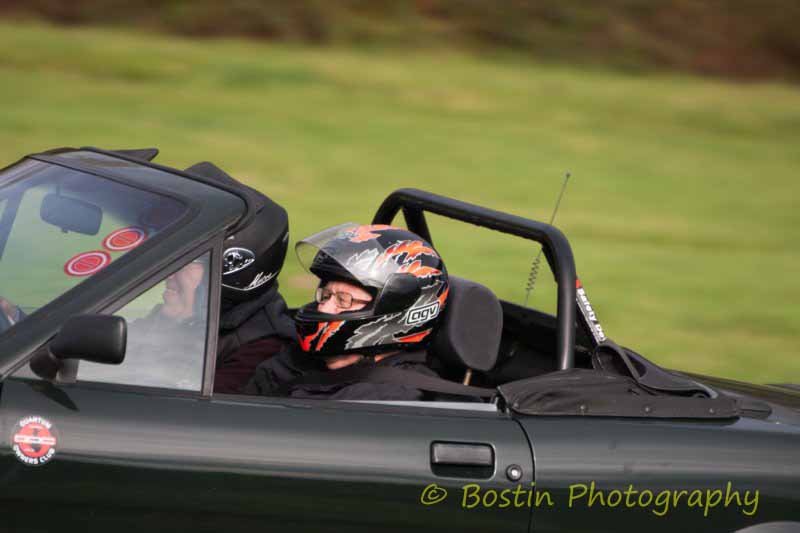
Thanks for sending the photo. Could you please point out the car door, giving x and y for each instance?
(142, 446)
(61, 441)
(133, 459)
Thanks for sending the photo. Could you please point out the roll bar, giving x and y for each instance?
(414, 203)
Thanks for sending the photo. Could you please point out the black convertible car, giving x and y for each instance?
(577, 433)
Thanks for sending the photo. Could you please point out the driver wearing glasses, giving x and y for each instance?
(381, 291)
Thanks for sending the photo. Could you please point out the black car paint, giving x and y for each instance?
(226, 463)
(775, 395)
(131, 458)
(150, 458)
(660, 455)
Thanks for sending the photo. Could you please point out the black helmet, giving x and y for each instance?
(254, 252)
(254, 255)
(404, 274)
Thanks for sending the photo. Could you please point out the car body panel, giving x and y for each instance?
(775, 395)
(150, 458)
(661, 455)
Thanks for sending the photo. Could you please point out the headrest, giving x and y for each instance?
(472, 324)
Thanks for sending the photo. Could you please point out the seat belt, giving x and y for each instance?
(386, 374)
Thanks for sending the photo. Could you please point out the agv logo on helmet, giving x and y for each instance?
(423, 314)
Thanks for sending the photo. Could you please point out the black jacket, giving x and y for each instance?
(249, 333)
(266, 316)
(291, 373)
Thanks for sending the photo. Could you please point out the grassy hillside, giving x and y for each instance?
(682, 209)
(735, 38)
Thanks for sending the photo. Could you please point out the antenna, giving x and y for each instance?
(535, 265)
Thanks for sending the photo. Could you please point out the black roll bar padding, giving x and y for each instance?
(414, 202)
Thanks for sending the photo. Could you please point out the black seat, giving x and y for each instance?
(472, 325)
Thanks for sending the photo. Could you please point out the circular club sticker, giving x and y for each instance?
(34, 440)
(87, 263)
(124, 239)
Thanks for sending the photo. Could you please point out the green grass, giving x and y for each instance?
(682, 209)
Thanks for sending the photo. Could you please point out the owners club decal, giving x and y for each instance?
(87, 263)
(124, 239)
(34, 440)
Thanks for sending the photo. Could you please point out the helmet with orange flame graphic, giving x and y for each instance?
(403, 273)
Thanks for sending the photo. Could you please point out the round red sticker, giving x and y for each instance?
(34, 440)
(124, 239)
(87, 263)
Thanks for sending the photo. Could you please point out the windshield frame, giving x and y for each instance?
(100, 292)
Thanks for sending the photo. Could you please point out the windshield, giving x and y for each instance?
(58, 227)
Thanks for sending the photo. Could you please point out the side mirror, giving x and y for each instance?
(71, 214)
(95, 338)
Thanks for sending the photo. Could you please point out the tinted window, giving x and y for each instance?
(167, 328)
(59, 227)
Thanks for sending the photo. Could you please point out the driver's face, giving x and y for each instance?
(182, 284)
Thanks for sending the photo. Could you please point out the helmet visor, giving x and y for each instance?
(369, 255)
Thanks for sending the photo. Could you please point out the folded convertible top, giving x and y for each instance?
(584, 392)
